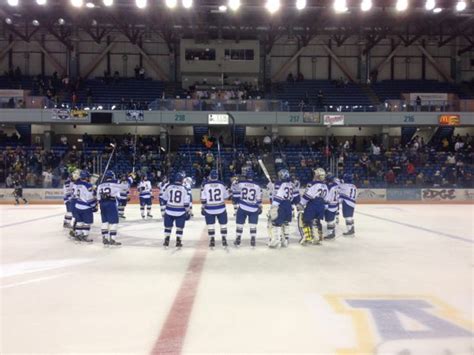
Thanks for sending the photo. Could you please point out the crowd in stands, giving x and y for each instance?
(237, 91)
(448, 163)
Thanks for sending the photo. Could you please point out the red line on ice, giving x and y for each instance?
(173, 333)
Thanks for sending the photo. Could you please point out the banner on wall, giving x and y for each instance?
(447, 195)
(404, 194)
(371, 195)
(65, 114)
(134, 115)
(425, 96)
(333, 120)
(311, 117)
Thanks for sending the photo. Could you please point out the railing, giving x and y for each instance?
(272, 106)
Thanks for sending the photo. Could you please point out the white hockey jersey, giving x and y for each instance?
(109, 191)
(282, 191)
(67, 190)
(348, 194)
(84, 195)
(234, 189)
(213, 196)
(145, 189)
(125, 188)
(177, 200)
(250, 196)
(162, 187)
(316, 191)
(333, 197)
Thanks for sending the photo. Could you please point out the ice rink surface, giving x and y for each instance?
(403, 285)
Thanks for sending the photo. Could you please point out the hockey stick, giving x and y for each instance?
(219, 160)
(108, 162)
(135, 145)
(264, 169)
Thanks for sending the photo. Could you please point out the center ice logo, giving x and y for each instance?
(411, 325)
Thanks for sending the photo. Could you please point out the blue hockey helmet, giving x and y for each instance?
(109, 175)
(347, 178)
(284, 175)
(179, 177)
(84, 175)
(213, 175)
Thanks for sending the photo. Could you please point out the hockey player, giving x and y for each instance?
(177, 203)
(145, 190)
(332, 206)
(67, 193)
(250, 207)
(281, 210)
(72, 202)
(123, 198)
(313, 202)
(213, 196)
(108, 193)
(18, 192)
(234, 181)
(85, 205)
(348, 193)
(188, 183)
(162, 187)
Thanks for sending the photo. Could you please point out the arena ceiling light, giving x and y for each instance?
(187, 4)
(340, 6)
(300, 4)
(401, 5)
(141, 4)
(108, 2)
(430, 5)
(437, 10)
(272, 6)
(12, 2)
(234, 5)
(8, 21)
(77, 3)
(461, 5)
(35, 23)
(366, 5)
(41, 2)
(61, 22)
(171, 4)
(90, 5)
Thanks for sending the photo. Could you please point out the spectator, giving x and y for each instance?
(141, 73)
(418, 103)
(290, 77)
(451, 159)
(137, 71)
(47, 178)
(390, 177)
(320, 99)
(420, 179)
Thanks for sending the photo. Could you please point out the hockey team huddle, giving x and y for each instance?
(320, 202)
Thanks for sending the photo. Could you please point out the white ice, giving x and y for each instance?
(61, 297)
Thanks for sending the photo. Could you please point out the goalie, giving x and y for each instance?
(283, 197)
(312, 208)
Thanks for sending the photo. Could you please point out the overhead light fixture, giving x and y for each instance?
(300, 4)
(187, 4)
(430, 5)
(461, 5)
(222, 8)
(141, 4)
(108, 2)
(401, 5)
(8, 21)
(366, 5)
(90, 5)
(234, 4)
(12, 2)
(77, 3)
(171, 4)
(61, 21)
(41, 2)
(437, 10)
(94, 22)
(35, 23)
(272, 6)
(340, 6)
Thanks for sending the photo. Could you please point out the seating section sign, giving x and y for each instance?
(64, 114)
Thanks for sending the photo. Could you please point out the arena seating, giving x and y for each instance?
(347, 96)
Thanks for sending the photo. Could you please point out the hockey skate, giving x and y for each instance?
(166, 243)
(179, 244)
(224, 242)
(350, 232)
(113, 242)
(284, 242)
(252, 242)
(331, 235)
(237, 242)
(212, 242)
(105, 241)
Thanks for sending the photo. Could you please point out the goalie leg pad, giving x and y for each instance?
(275, 233)
(306, 230)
